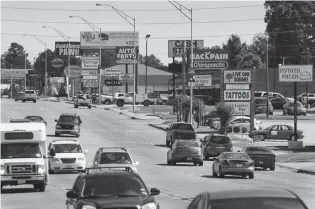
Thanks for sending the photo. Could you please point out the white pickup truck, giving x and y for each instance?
(30, 95)
(128, 99)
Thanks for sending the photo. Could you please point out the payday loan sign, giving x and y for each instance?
(63, 48)
(237, 76)
(125, 55)
(207, 60)
(296, 73)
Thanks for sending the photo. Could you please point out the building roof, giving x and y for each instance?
(142, 70)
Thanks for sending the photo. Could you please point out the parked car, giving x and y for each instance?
(214, 144)
(284, 132)
(180, 131)
(37, 119)
(261, 105)
(307, 97)
(262, 156)
(277, 103)
(233, 163)
(19, 96)
(288, 108)
(245, 198)
(185, 151)
(242, 121)
(271, 94)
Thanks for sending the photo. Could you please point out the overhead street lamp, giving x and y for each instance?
(99, 31)
(146, 61)
(179, 7)
(10, 78)
(44, 43)
(133, 24)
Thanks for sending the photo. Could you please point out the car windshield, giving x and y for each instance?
(115, 158)
(113, 185)
(259, 149)
(220, 139)
(67, 118)
(29, 92)
(67, 148)
(257, 94)
(187, 144)
(236, 156)
(183, 127)
(20, 150)
(20, 94)
(260, 101)
(34, 118)
(257, 203)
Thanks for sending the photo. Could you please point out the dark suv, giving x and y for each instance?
(68, 124)
(120, 188)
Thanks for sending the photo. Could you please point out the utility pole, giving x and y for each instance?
(267, 77)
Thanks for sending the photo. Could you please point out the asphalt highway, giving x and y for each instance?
(178, 184)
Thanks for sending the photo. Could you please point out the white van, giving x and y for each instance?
(23, 155)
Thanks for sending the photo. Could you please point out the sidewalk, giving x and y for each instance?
(305, 167)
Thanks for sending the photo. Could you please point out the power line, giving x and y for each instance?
(167, 38)
(130, 10)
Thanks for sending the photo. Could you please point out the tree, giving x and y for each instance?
(235, 47)
(290, 25)
(216, 47)
(225, 113)
(153, 61)
(259, 46)
(198, 110)
(248, 59)
(15, 56)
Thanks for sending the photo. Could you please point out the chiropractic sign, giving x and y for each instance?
(208, 60)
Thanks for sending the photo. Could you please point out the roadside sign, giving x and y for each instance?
(90, 83)
(240, 108)
(175, 46)
(236, 86)
(89, 72)
(237, 95)
(211, 59)
(191, 71)
(191, 79)
(112, 83)
(126, 77)
(16, 73)
(112, 72)
(90, 62)
(72, 71)
(90, 77)
(203, 80)
(237, 76)
(296, 73)
(154, 95)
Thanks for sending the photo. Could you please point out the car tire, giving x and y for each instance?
(173, 163)
(205, 157)
(107, 102)
(221, 174)
(169, 162)
(34, 101)
(15, 100)
(200, 163)
(89, 107)
(146, 103)
(120, 103)
(272, 168)
(50, 171)
(195, 163)
(262, 137)
(23, 100)
(251, 176)
(167, 143)
(271, 113)
(57, 134)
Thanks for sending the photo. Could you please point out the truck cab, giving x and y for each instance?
(24, 155)
(128, 99)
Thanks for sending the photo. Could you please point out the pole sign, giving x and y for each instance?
(237, 95)
(63, 48)
(90, 62)
(112, 83)
(89, 72)
(203, 80)
(207, 60)
(175, 46)
(72, 71)
(125, 55)
(237, 76)
(57, 63)
(240, 108)
(112, 72)
(14, 73)
(296, 73)
(126, 77)
(236, 86)
(90, 83)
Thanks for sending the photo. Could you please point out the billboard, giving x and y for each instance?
(207, 60)
(91, 39)
(90, 62)
(295, 73)
(237, 76)
(62, 48)
(14, 73)
(125, 55)
(72, 71)
(175, 46)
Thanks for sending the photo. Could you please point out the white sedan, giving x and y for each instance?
(240, 120)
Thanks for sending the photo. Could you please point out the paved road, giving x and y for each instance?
(106, 128)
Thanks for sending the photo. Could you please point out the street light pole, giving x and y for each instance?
(125, 16)
(146, 62)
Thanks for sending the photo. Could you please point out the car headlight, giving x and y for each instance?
(88, 207)
(55, 159)
(2, 170)
(149, 206)
(58, 126)
(41, 169)
(81, 159)
(75, 127)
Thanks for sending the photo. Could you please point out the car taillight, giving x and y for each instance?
(225, 162)
(251, 163)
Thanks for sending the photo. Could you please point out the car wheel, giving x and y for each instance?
(146, 103)
(89, 107)
(23, 100)
(120, 103)
(75, 106)
(251, 176)
(221, 174)
(169, 162)
(34, 101)
(271, 113)
(201, 164)
(243, 175)
(50, 171)
(262, 137)
(272, 168)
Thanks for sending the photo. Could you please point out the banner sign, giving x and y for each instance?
(112, 72)
(240, 108)
(295, 73)
(175, 46)
(207, 60)
(112, 83)
(62, 48)
(89, 72)
(236, 86)
(57, 79)
(92, 39)
(90, 62)
(125, 55)
(237, 95)
(237, 76)
(72, 71)
(16, 73)
(203, 80)
(90, 77)
(90, 83)
(126, 77)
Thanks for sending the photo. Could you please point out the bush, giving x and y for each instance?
(225, 113)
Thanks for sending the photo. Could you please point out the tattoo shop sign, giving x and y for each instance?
(125, 55)
(90, 62)
(242, 95)
(63, 48)
(207, 60)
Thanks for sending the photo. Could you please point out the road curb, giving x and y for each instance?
(296, 170)
(282, 118)
(157, 127)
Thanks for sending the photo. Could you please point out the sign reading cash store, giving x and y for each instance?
(211, 60)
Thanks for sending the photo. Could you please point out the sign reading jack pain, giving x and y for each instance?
(125, 55)
(63, 48)
(211, 60)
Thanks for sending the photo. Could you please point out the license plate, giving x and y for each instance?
(239, 165)
(260, 107)
(68, 166)
(21, 181)
(189, 158)
(261, 162)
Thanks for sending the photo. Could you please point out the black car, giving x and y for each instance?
(260, 198)
(120, 188)
(263, 157)
(278, 102)
(68, 123)
(36, 119)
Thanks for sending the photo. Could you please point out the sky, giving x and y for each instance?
(222, 19)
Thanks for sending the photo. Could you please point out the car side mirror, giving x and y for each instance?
(137, 163)
(71, 194)
(52, 152)
(86, 151)
(56, 120)
(167, 129)
(154, 191)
